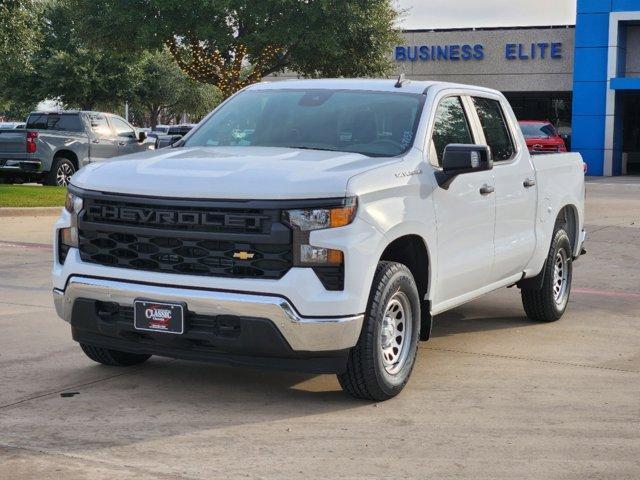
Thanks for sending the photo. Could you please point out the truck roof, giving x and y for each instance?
(382, 85)
(63, 112)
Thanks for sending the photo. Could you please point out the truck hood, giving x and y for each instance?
(228, 173)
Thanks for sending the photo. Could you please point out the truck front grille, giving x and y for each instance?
(185, 237)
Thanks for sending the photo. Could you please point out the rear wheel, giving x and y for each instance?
(113, 358)
(380, 364)
(549, 303)
(61, 172)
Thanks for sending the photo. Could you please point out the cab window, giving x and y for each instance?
(451, 126)
(495, 128)
(122, 128)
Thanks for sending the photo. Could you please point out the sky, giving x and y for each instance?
(485, 13)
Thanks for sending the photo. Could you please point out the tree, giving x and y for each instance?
(161, 89)
(80, 76)
(19, 39)
(232, 43)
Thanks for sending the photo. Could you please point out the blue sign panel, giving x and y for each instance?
(466, 52)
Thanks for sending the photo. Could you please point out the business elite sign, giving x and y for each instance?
(466, 52)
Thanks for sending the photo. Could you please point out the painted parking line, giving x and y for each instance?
(605, 293)
(26, 245)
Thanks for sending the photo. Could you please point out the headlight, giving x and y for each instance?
(319, 218)
(73, 203)
(68, 237)
(304, 221)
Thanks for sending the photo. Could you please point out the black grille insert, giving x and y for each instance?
(185, 238)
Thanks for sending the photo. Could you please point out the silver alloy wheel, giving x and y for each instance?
(63, 174)
(395, 333)
(560, 276)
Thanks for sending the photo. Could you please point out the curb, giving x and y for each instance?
(29, 211)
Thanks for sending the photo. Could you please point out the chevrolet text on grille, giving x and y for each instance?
(172, 217)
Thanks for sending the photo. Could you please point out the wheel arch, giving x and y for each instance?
(70, 154)
(412, 251)
(568, 215)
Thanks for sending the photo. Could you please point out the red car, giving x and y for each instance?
(542, 137)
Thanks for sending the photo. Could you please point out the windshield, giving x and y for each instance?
(370, 123)
(537, 130)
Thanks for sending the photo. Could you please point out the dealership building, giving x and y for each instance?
(584, 79)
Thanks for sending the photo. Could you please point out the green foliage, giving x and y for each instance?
(313, 37)
(97, 54)
(19, 38)
(80, 76)
(162, 90)
(19, 35)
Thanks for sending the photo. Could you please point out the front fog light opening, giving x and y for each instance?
(307, 255)
(67, 238)
(318, 256)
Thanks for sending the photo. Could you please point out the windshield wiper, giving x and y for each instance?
(301, 147)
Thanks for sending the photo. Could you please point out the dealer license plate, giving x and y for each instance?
(158, 317)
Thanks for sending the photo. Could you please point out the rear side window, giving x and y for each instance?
(451, 126)
(495, 128)
(67, 123)
(37, 120)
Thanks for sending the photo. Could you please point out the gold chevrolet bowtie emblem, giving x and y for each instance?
(244, 255)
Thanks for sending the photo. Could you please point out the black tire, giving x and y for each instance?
(367, 376)
(113, 358)
(61, 171)
(544, 305)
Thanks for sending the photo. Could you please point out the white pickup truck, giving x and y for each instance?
(317, 225)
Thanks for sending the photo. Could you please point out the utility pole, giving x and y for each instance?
(126, 111)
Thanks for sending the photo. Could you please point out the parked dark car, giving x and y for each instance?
(167, 135)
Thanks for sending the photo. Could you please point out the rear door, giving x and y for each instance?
(103, 141)
(515, 191)
(125, 135)
(465, 216)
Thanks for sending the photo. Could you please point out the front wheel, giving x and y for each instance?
(549, 303)
(380, 364)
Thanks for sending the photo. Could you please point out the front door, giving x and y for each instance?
(125, 135)
(465, 212)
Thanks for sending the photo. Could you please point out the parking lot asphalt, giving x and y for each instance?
(493, 395)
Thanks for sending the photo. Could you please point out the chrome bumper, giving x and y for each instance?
(311, 334)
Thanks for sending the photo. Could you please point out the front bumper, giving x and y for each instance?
(300, 334)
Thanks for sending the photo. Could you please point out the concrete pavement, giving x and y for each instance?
(493, 395)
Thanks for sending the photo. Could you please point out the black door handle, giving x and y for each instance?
(95, 140)
(487, 190)
(528, 183)
(122, 144)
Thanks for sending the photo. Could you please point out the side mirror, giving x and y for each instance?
(459, 159)
(167, 140)
(142, 136)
